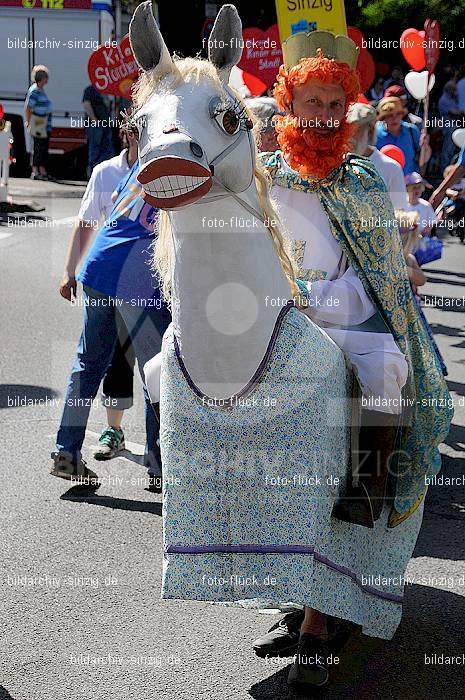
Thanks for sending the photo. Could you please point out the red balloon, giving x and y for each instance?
(366, 69)
(365, 64)
(2, 111)
(411, 45)
(356, 36)
(395, 153)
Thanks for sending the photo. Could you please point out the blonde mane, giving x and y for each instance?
(194, 70)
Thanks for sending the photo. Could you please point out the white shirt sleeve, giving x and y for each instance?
(343, 301)
(430, 217)
(397, 189)
(91, 208)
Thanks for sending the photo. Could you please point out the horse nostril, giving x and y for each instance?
(196, 149)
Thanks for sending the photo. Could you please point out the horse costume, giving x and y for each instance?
(254, 397)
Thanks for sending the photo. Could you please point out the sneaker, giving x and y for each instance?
(311, 664)
(283, 638)
(65, 468)
(111, 441)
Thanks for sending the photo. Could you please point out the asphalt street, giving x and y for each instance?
(80, 572)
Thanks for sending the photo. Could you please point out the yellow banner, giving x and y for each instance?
(307, 15)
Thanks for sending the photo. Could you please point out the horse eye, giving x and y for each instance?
(231, 122)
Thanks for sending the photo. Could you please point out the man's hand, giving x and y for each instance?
(68, 287)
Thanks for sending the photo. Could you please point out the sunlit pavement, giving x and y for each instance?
(80, 571)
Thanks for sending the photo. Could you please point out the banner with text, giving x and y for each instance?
(307, 15)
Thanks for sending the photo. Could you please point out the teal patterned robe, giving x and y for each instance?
(360, 214)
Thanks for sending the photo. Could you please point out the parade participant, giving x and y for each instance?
(400, 92)
(96, 205)
(341, 207)
(454, 174)
(393, 130)
(415, 188)
(364, 118)
(452, 118)
(407, 222)
(409, 228)
(117, 284)
(264, 109)
(98, 128)
(38, 119)
(377, 91)
(246, 389)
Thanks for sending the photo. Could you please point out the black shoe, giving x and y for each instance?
(311, 664)
(155, 484)
(283, 638)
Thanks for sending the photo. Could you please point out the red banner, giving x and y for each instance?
(261, 55)
(48, 4)
(112, 70)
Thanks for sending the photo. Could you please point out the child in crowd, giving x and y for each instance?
(409, 229)
(415, 187)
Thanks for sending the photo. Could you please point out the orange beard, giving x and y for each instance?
(311, 153)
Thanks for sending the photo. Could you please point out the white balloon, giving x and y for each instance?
(417, 83)
(458, 137)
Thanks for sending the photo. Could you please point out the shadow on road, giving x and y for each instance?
(456, 437)
(401, 668)
(132, 457)
(4, 694)
(88, 495)
(438, 280)
(16, 395)
(458, 387)
(440, 329)
(444, 272)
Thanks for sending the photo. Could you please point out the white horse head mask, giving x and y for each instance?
(194, 134)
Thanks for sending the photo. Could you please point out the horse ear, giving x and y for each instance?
(147, 43)
(225, 41)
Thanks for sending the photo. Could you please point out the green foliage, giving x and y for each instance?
(397, 15)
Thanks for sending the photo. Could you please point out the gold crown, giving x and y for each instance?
(306, 45)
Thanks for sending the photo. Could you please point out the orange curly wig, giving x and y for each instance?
(305, 151)
(326, 70)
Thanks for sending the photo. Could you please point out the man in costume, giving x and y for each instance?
(364, 117)
(352, 272)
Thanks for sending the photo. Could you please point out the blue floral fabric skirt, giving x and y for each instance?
(249, 489)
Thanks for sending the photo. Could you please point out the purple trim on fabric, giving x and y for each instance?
(280, 549)
(232, 400)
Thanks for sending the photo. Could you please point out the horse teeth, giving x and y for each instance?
(173, 185)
